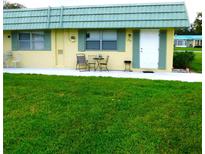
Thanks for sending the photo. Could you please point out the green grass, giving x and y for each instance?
(196, 65)
(187, 48)
(56, 114)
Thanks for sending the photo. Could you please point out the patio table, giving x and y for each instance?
(98, 59)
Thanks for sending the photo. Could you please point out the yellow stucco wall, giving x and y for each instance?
(6, 41)
(63, 52)
(31, 59)
(116, 59)
(170, 49)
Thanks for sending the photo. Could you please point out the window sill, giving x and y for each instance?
(102, 51)
(30, 50)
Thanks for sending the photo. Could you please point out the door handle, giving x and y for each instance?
(141, 49)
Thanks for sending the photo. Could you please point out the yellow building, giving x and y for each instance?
(51, 37)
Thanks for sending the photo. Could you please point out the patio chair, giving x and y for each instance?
(81, 62)
(15, 60)
(6, 58)
(103, 63)
(91, 61)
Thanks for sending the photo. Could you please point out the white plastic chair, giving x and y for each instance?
(16, 60)
(6, 58)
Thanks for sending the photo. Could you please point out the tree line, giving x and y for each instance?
(194, 29)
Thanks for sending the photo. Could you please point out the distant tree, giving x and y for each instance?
(8, 5)
(194, 29)
(182, 31)
(197, 25)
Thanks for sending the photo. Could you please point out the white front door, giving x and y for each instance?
(149, 48)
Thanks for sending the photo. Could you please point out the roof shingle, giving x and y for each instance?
(156, 15)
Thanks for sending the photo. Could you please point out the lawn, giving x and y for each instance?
(188, 48)
(56, 114)
(196, 65)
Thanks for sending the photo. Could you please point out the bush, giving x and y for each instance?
(183, 60)
(197, 46)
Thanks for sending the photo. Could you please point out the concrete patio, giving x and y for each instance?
(186, 77)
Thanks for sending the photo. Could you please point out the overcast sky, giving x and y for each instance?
(193, 6)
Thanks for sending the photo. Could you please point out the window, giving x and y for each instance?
(181, 42)
(93, 40)
(24, 41)
(101, 40)
(109, 40)
(38, 41)
(31, 41)
(198, 42)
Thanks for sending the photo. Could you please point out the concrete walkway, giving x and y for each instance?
(187, 77)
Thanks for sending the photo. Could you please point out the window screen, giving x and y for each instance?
(24, 41)
(31, 41)
(38, 40)
(101, 40)
(180, 42)
(93, 40)
(109, 40)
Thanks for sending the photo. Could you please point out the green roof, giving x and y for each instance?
(155, 15)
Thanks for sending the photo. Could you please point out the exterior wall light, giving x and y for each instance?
(72, 38)
(129, 37)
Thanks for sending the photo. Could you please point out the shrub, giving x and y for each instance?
(183, 60)
(197, 46)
